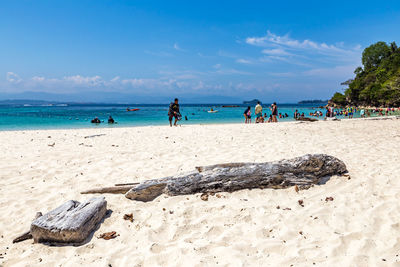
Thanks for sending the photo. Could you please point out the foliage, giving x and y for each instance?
(377, 83)
(339, 99)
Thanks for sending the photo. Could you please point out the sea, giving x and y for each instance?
(67, 116)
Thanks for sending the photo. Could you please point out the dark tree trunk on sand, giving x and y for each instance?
(301, 171)
(71, 222)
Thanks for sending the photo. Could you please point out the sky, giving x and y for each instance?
(198, 51)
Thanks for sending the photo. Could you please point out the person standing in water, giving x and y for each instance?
(258, 112)
(247, 115)
(274, 110)
(173, 112)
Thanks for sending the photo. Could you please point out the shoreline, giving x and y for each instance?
(396, 116)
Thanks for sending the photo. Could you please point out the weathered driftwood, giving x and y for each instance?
(95, 135)
(301, 171)
(126, 184)
(27, 235)
(110, 190)
(306, 119)
(71, 222)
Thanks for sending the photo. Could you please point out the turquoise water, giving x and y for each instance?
(20, 117)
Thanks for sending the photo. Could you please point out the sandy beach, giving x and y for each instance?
(360, 227)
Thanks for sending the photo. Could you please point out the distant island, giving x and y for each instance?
(316, 101)
(377, 82)
(252, 102)
(26, 102)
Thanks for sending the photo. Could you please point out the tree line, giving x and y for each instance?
(377, 82)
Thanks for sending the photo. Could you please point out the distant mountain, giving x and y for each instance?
(112, 98)
(26, 102)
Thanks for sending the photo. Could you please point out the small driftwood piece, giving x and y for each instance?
(302, 171)
(71, 222)
(306, 119)
(126, 184)
(95, 135)
(27, 235)
(111, 190)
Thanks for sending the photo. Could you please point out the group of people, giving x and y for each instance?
(364, 112)
(260, 118)
(97, 120)
(297, 115)
(174, 113)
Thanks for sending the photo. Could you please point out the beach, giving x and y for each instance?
(41, 169)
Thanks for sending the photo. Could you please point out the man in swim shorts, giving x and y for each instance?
(258, 112)
(173, 112)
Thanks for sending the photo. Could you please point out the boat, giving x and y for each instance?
(212, 111)
(132, 109)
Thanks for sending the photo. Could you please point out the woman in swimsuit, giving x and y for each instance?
(247, 115)
(274, 109)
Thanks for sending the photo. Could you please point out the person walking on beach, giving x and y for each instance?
(173, 112)
(247, 115)
(274, 110)
(258, 112)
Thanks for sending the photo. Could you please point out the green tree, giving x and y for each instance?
(393, 47)
(358, 71)
(339, 99)
(378, 83)
(373, 55)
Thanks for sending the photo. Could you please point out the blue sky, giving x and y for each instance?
(152, 51)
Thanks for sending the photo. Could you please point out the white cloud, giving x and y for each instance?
(116, 78)
(337, 72)
(282, 74)
(243, 61)
(38, 79)
(68, 81)
(231, 72)
(276, 52)
(85, 81)
(278, 47)
(11, 77)
(176, 47)
(285, 40)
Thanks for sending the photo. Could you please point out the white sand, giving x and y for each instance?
(360, 227)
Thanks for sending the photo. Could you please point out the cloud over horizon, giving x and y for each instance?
(278, 47)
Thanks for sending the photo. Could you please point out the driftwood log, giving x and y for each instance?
(71, 222)
(301, 171)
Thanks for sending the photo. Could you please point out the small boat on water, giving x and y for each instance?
(212, 111)
(132, 109)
